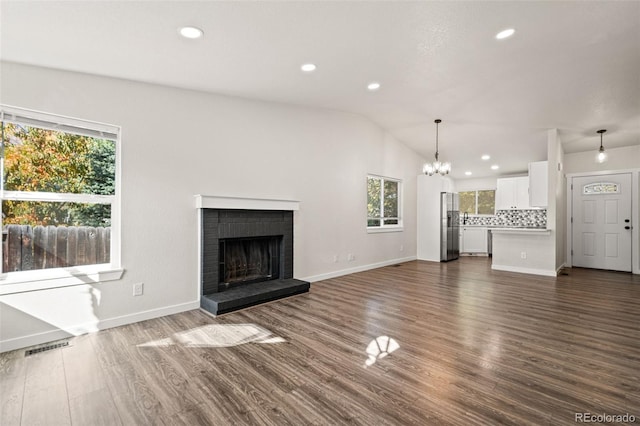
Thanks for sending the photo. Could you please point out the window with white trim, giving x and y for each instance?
(481, 202)
(384, 207)
(59, 195)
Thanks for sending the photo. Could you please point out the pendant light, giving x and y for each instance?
(602, 156)
(437, 167)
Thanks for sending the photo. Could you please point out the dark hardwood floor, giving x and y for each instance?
(423, 343)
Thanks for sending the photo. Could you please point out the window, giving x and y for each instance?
(601, 188)
(478, 202)
(383, 203)
(59, 199)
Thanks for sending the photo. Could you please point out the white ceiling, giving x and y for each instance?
(574, 66)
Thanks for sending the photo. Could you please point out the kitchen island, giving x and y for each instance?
(523, 250)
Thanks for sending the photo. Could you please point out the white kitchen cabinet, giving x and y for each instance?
(512, 193)
(474, 239)
(538, 184)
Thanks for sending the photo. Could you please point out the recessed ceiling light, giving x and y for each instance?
(308, 67)
(468, 173)
(505, 34)
(191, 32)
(486, 157)
(495, 167)
(373, 86)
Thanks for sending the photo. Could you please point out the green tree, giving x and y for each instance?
(99, 180)
(467, 202)
(53, 161)
(373, 201)
(487, 202)
(390, 202)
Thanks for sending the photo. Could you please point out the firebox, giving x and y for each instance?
(248, 260)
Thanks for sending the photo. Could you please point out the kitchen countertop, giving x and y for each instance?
(515, 230)
(492, 227)
(497, 229)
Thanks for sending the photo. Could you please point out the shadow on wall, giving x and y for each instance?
(22, 312)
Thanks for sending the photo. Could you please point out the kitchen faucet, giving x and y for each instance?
(465, 216)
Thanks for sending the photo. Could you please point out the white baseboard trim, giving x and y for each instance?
(33, 339)
(335, 274)
(533, 271)
(49, 336)
(146, 315)
(564, 265)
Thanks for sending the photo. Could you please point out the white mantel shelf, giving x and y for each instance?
(237, 203)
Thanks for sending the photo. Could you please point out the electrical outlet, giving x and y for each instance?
(523, 255)
(138, 289)
(351, 257)
(401, 247)
(335, 258)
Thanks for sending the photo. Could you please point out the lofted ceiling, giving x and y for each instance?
(574, 66)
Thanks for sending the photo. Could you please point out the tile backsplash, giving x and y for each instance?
(517, 218)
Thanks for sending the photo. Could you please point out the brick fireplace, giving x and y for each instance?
(246, 252)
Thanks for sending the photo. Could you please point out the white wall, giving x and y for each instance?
(429, 189)
(476, 184)
(556, 166)
(540, 250)
(618, 159)
(178, 143)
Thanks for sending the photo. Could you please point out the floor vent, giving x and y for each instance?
(46, 348)
(397, 265)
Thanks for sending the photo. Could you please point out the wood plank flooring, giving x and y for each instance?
(423, 343)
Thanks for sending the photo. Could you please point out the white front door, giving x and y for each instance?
(601, 216)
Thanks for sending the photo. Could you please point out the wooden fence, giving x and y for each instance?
(26, 248)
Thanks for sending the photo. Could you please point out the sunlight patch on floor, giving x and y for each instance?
(218, 336)
(379, 348)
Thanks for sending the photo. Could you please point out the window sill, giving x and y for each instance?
(378, 230)
(20, 282)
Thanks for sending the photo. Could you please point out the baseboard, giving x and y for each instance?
(564, 265)
(49, 336)
(146, 315)
(533, 271)
(33, 339)
(362, 268)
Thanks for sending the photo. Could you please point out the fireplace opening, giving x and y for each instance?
(248, 260)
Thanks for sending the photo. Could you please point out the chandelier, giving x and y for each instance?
(437, 167)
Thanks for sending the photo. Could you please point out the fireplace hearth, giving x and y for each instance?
(246, 258)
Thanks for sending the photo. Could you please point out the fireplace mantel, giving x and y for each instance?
(227, 220)
(237, 203)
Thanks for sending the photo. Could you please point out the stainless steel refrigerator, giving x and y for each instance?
(449, 226)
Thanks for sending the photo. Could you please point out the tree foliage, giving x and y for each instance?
(390, 201)
(53, 161)
(100, 180)
(386, 190)
(374, 192)
(485, 201)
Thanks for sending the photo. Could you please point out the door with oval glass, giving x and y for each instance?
(601, 221)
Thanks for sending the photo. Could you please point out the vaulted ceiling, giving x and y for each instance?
(574, 66)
